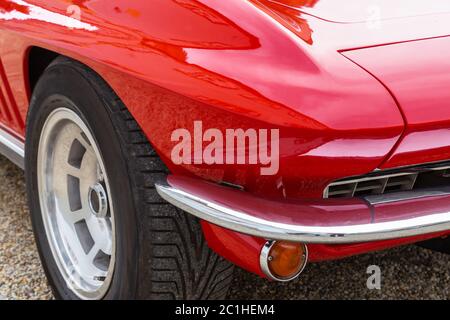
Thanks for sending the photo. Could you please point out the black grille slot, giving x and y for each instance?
(399, 183)
(389, 182)
(370, 187)
(343, 190)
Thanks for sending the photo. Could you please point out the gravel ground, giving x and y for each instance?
(21, 275)
(407, 273)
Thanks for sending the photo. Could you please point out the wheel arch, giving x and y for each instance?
(37, 60)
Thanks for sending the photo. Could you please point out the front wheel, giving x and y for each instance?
(102, 230)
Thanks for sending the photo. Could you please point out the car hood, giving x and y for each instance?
(355, 11)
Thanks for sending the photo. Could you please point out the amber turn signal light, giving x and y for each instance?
(283, 260)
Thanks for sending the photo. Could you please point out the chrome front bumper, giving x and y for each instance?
(312, 221)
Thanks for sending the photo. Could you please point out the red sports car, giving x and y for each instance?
(165, 141)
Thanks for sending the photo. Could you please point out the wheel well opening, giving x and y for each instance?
(38, 60)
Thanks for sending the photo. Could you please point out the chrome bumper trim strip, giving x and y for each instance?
(243, 222)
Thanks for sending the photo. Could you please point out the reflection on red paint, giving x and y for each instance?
(299, 3)
(80, 3)
(9, 5)
(38, 13)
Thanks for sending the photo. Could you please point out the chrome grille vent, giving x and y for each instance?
(389, 182)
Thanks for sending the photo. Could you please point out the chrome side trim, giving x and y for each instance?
(12, 148)
(246, 223)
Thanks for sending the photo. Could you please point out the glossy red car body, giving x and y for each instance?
(350, 93)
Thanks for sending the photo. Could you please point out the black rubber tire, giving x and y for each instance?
(441, 245)
(161, 252)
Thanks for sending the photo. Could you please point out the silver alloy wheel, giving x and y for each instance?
(76, 207)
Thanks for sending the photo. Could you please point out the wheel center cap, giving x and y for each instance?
(98, 200)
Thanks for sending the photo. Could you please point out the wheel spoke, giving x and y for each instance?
(101, 233)
(81, 139)
(87, 268)
(78, 216)
(91, 255)
(71, 170)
